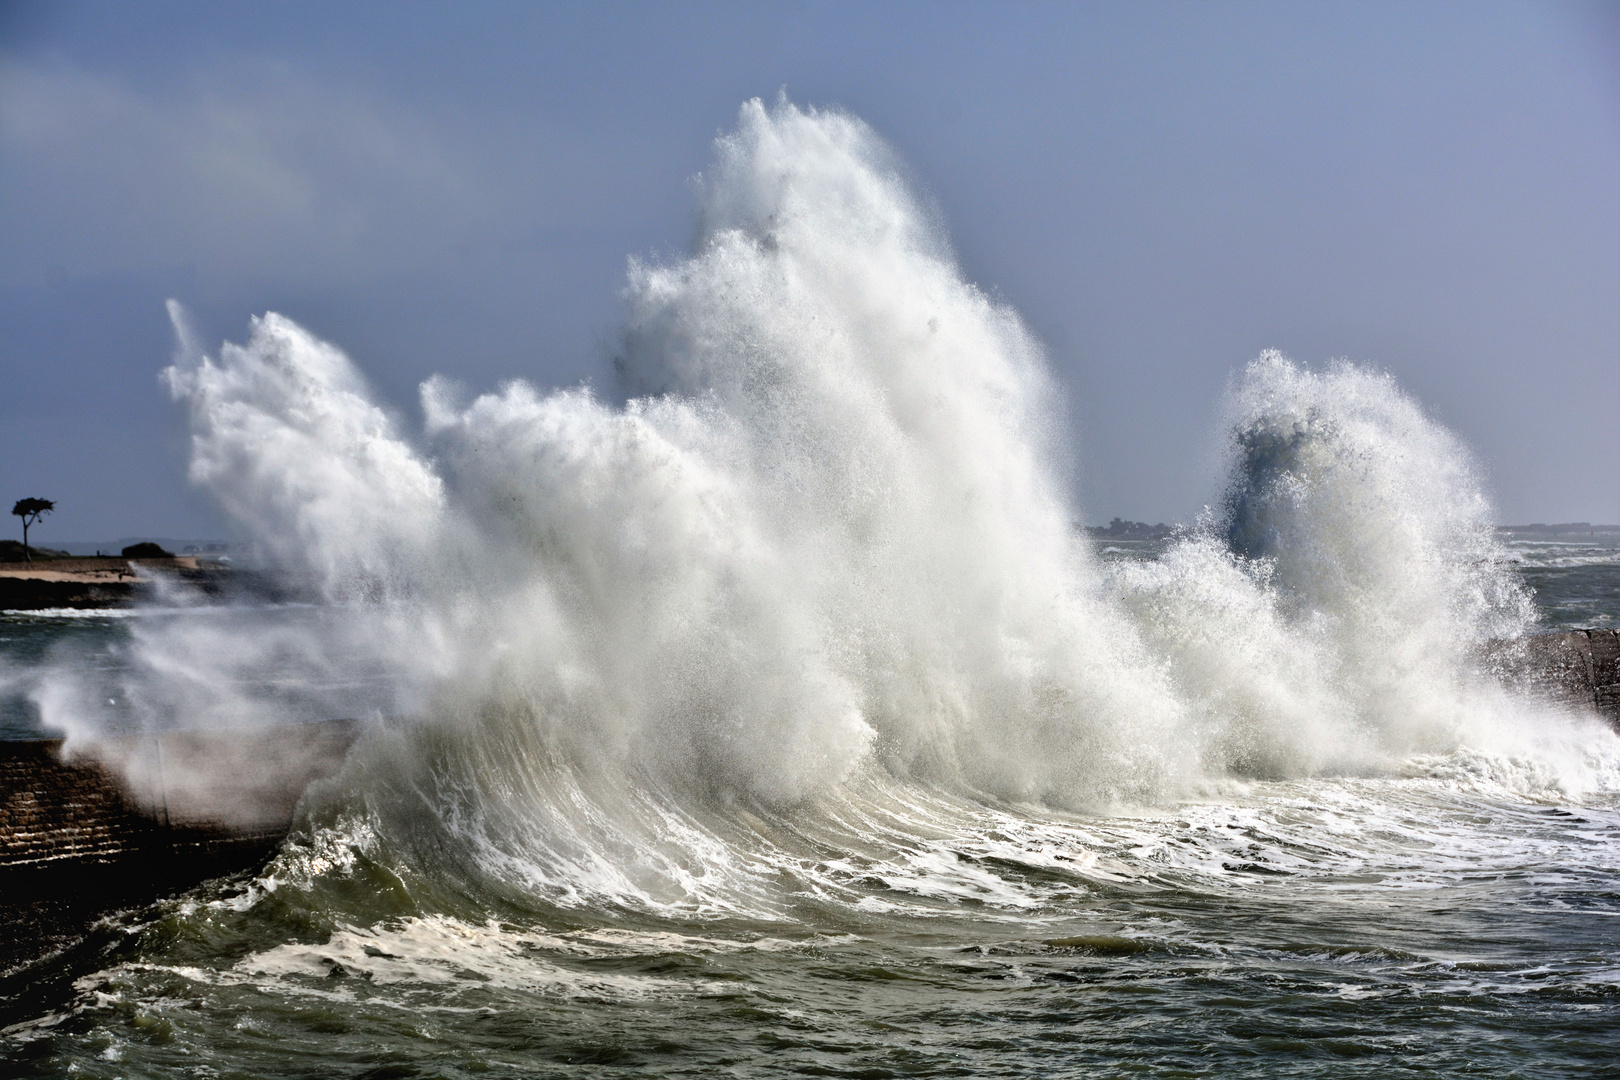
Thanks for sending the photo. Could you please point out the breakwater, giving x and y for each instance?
(126, 821)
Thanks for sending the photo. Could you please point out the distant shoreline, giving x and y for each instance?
(1565, 528)
(1121, 529)
(89, 582)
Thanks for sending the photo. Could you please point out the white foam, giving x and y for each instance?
(826, 540)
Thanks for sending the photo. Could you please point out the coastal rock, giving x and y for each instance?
(1580, 668)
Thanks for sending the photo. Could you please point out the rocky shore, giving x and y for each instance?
(89, 583)
(1580, 668)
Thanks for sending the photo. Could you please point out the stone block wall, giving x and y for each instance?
(123, 823)
(127, 796)
(51, 811)
(1578, 667)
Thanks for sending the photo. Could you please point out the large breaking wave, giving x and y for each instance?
(822, 556)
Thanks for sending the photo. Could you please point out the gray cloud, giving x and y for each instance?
(255, 171)
(1162, 192)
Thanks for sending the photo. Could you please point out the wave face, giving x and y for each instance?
(820, 563)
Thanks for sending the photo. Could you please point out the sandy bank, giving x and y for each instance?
(96, 582)
(93, 570)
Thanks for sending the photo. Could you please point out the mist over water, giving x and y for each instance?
(829, 530)
(804, 633)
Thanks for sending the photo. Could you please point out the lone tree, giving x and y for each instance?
(30, 510)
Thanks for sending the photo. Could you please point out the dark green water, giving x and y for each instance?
(1375, 928)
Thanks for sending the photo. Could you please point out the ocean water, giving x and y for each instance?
(1574, 579)
(777, 720)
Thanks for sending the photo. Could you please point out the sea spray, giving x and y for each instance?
(824, 536)
(1372, 519)
(896, 431)
(823, 548)
(286, 438)
(1342, 610)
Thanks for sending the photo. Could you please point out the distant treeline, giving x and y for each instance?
(12, 551)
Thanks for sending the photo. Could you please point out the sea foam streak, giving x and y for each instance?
(824, 549)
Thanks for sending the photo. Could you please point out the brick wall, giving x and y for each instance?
(51, 811)
(127, 795)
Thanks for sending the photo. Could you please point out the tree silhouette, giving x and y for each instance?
(31, 510)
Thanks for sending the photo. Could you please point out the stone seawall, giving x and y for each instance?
(126, 821)
(124, 796)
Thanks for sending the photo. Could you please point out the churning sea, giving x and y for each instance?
(1428, 920)
(771, 718)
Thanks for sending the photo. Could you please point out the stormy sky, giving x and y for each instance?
(1162, 190)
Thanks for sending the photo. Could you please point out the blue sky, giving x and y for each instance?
(1163, 190)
